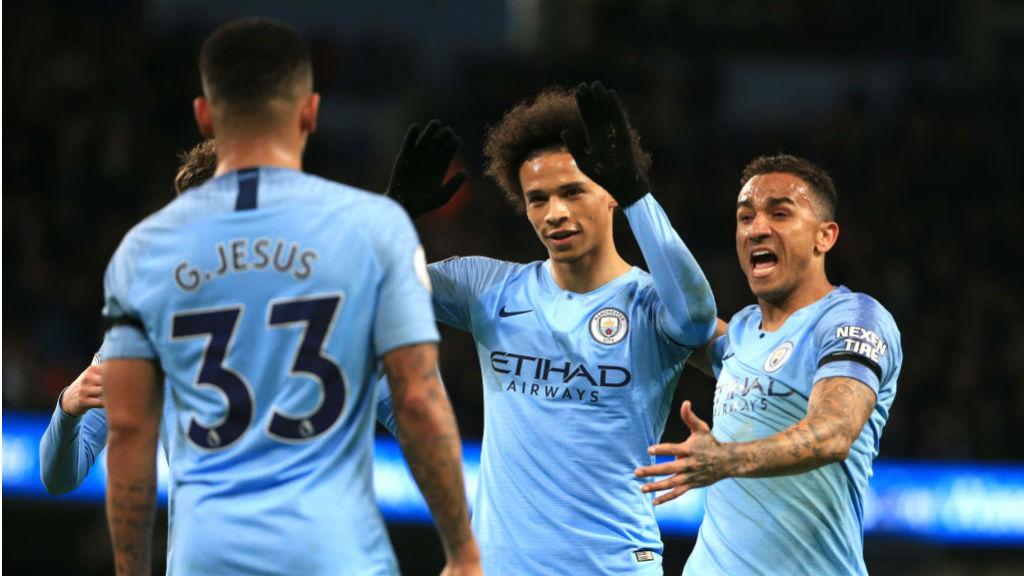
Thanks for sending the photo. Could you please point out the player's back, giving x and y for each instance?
(259, 292)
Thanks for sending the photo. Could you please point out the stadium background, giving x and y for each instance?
(914, 107)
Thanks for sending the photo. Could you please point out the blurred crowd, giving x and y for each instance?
(917, 119)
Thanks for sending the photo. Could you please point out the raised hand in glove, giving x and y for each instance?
(417, 178)
(604, 149)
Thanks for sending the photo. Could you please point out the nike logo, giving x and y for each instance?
(505, 313)
(727, 356)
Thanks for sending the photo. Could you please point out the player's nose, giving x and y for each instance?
(558, 210)
(759, 228)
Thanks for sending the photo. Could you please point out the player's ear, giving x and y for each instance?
(612, 203)
(828, 233)
(204, 117)
(308, 111)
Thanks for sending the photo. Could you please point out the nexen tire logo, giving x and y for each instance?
(543, 368)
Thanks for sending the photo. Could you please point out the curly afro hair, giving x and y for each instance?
(532, 128)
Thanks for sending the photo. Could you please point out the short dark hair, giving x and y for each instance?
(249, 62)
(532, 128)
(196, 166)
(816, 178)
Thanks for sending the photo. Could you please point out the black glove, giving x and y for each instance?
(417, 178)
(604, 150)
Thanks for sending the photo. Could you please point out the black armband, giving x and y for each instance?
(852, 357)
(109, 323)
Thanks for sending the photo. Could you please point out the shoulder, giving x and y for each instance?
(484, 264)
(478, 274)
(140, 237)
(373, 206)
(858, 322)
(845, 306)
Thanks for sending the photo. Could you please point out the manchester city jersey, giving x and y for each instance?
(267, 296)
(576, 387)
(809, 523)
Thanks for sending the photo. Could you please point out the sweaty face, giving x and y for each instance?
(780, 239)
(571, 214)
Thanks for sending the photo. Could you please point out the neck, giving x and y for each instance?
(774, 312)
(247, 150)
(589, 272)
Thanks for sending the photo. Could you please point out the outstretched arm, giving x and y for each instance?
(836, 413)
(605, 152)
(76, 433)
(429, 437)
(688, 314)
(134, 399)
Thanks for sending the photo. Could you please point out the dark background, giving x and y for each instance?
(914, 107)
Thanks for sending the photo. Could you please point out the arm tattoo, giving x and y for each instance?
(836, 414)
(429, 437)
(130, 509)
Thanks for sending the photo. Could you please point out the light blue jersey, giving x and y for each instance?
(576, 387)
(71, 445)
(267, 296)
(810, 523)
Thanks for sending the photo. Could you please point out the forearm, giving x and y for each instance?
(810, 443)
(131, 497)
(429, 436)
(431, 444)
(134, 401)
(688, 304)
(62, 458)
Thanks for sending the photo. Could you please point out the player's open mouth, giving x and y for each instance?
(561, 237)
(762, 262)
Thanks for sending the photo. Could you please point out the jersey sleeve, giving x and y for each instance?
(858, 339)
(126, 335)
(69, 447)
(459, 281)
(687, 313)
(404, 314)
(385, 414)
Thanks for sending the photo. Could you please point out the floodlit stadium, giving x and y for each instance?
(912, 110)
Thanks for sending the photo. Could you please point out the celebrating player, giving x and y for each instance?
(271, 449)
(806, 378)
(580, 353)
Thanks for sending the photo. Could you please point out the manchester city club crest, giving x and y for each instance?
(608, 326)
(778, 357)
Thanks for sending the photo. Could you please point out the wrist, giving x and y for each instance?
(633, 190)
(65, 404)
(467, 552)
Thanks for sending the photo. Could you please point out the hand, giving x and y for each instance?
(699, 461)
(417, 178)
(85, 393)
(604, 150)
